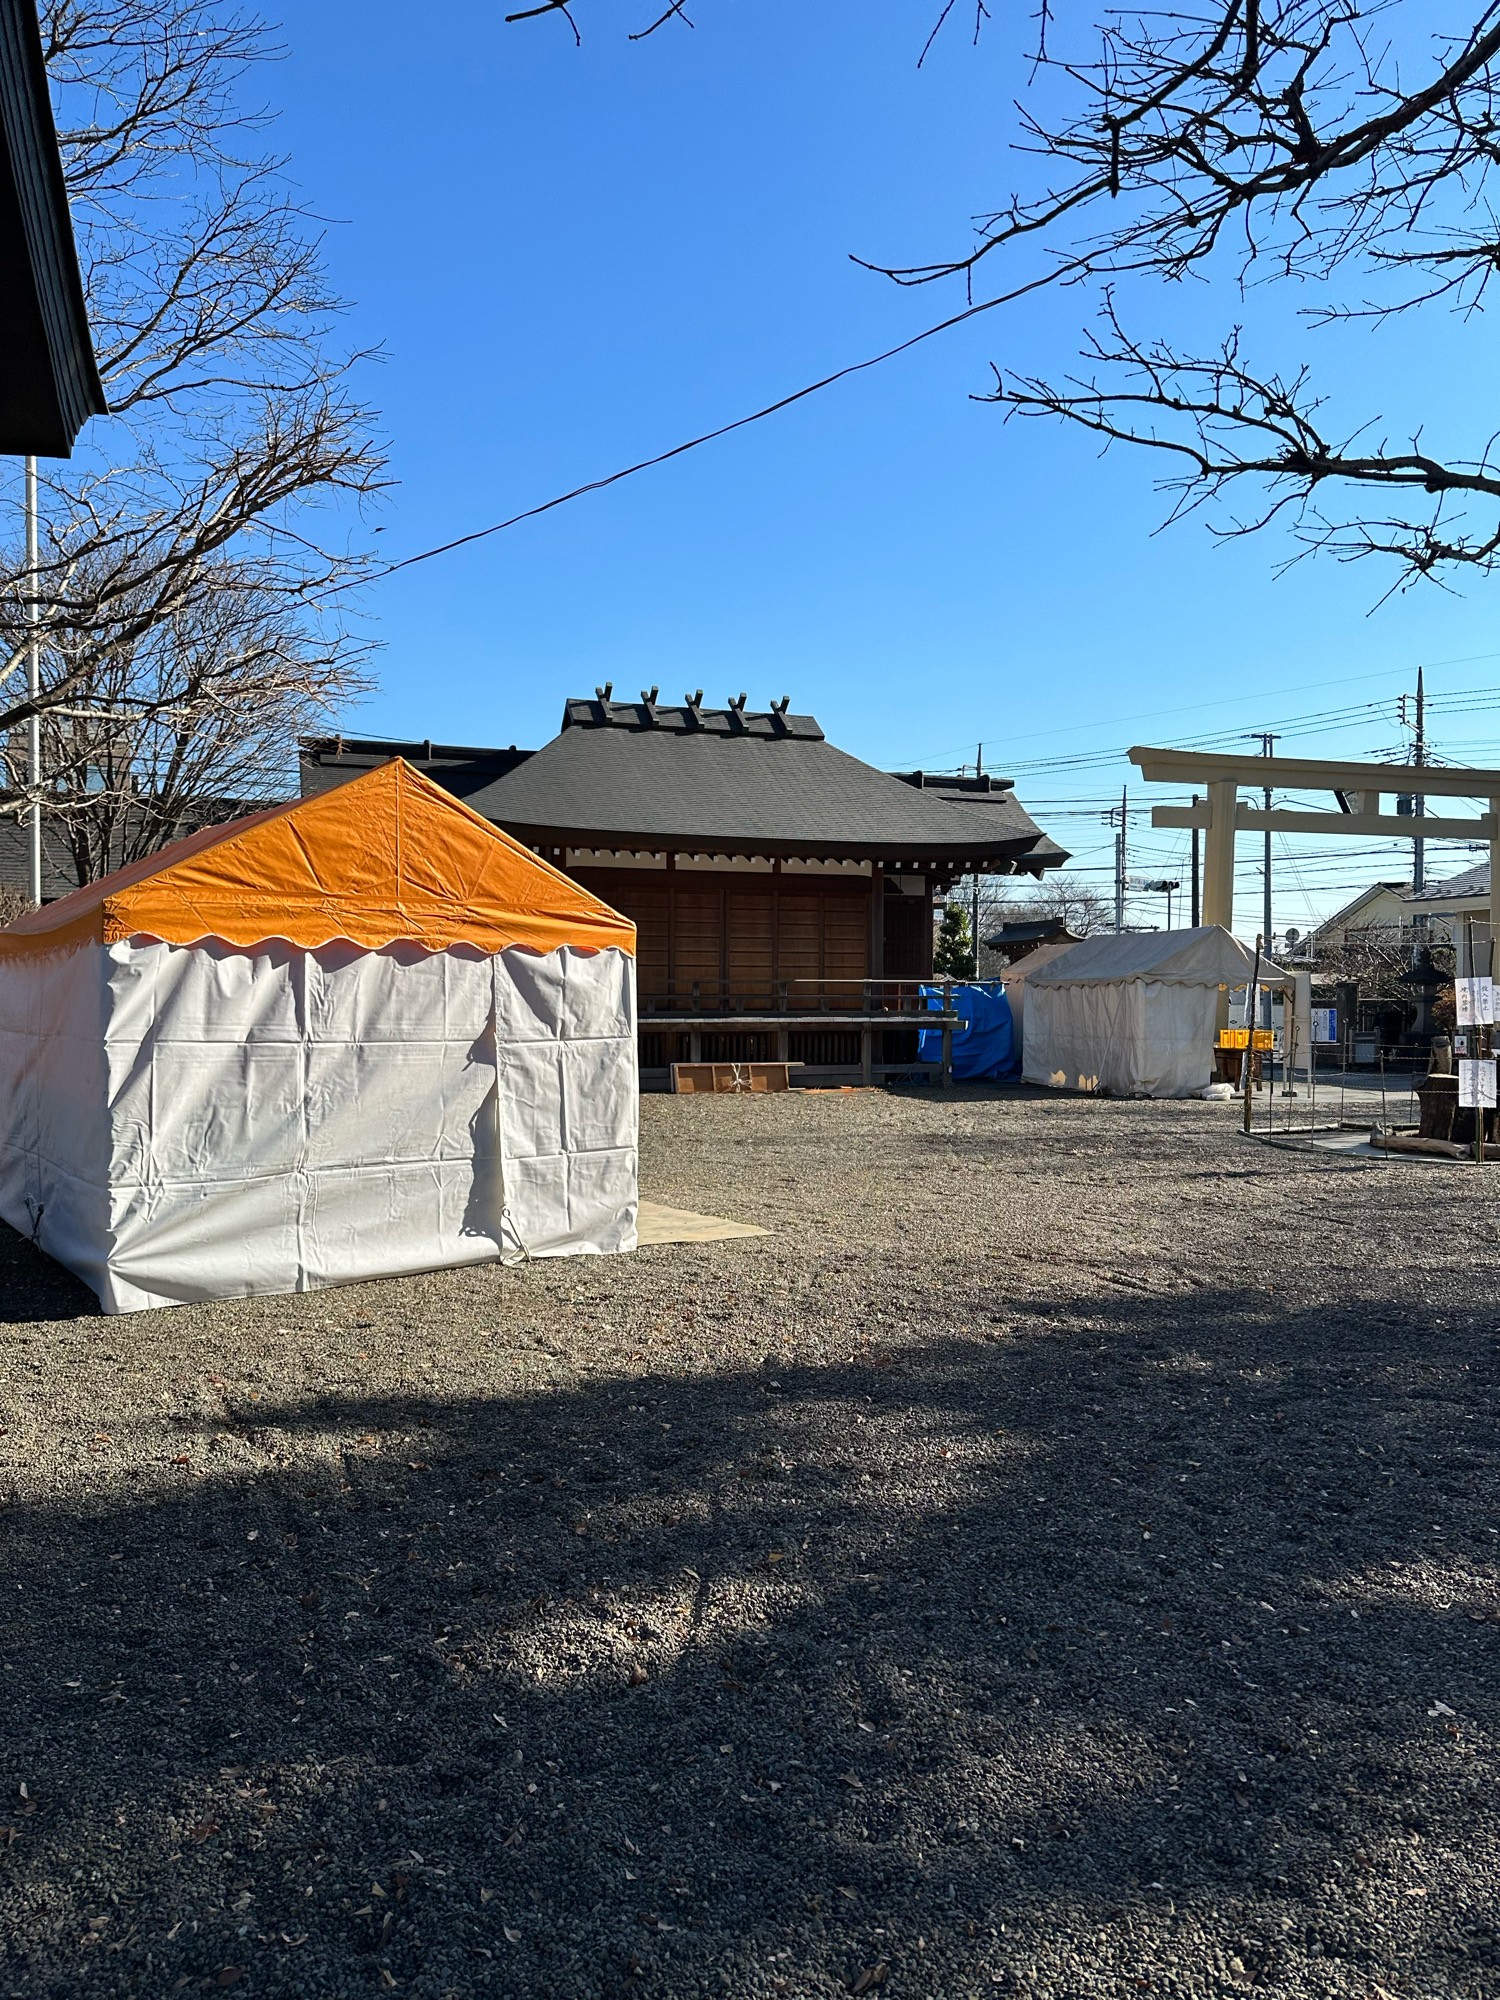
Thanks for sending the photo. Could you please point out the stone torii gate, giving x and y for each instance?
(1356, 789)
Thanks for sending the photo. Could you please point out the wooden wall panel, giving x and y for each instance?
(642, 897)
(846, 946)
(799, 952)
(908, 937)
(749, 943)
(697, 941)
(740, 939)
(647, 910)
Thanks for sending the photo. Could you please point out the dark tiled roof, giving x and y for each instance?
(636, 774)
(1042, 930)
(1473, 882)
(996, 798)
(460, 768)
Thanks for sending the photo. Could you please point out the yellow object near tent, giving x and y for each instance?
(350, 1037)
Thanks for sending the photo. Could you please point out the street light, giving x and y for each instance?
(1154, 887)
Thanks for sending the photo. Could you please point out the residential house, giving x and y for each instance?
(1443, 907)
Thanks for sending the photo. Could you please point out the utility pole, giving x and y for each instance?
(1197, 910)
(34, 681)
(1419, 802)
(1121, 852)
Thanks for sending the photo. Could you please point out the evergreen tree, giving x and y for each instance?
(955, 948)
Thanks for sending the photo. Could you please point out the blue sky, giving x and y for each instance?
(574, 257)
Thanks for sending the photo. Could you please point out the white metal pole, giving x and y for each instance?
(34, 679)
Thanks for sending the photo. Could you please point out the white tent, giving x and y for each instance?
(357, 1036)
(1135, 1013)
(1015, 977)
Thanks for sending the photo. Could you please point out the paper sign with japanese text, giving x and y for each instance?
(1476, 1083)
(1474, 1002)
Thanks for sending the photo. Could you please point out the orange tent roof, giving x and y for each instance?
(387, 857)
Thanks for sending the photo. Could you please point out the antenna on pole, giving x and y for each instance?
(1119, 818)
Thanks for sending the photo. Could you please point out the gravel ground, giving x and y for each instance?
(1060, 1560)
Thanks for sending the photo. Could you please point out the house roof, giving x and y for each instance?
(1474, 883)
(392, 858)
(49, 381)
(1369, 894)
(1206, 956)
(731, 780)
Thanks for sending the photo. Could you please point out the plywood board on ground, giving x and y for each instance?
(725, 1078)
(657, 1224)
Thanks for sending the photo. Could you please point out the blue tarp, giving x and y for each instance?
(987, 1046)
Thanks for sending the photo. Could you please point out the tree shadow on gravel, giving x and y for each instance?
(1078, 1657)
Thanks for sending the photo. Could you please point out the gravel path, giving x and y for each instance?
(1060, 1560)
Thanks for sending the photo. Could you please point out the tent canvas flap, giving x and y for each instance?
(1207, 955)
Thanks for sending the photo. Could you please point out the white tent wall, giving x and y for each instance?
(54, 1122)
(1134, 1012)
(1015, 978)
(280, 1119)
(1144, 1038)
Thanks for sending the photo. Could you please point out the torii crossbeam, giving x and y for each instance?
(1356, 788)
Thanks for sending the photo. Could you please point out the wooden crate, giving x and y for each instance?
(726, 1078)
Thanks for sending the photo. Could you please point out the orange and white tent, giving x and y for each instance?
(354, 1036)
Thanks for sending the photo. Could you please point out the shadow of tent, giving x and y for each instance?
(33, 1288)
(1050, 1629)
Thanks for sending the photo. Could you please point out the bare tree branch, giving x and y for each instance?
(1345, 146)
(196, 548)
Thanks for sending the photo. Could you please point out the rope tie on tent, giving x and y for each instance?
(506, 1216)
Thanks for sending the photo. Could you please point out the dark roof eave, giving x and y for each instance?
(50, 384)
(1007, 853)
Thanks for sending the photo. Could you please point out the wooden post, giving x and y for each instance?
(695, 1045)
(864, 1054)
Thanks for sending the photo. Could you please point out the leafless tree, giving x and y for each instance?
(1068, 898)
(1380, 957)
(1343, 146)
(197, 552)
(189, 724)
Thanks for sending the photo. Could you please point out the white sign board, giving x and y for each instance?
(1325, 1022)
(1474, 1002)
(1476, 1082)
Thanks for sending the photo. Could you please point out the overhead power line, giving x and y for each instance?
(1052, 277)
